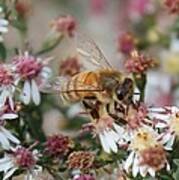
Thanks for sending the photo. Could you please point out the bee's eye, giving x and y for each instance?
(120, 96)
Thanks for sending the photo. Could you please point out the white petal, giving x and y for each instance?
(157, 109)
(26, 92)
(6, 166)
(168, 167)
(9, 116)
(4, 160)
(118, 128)
(35, 93)
(135, 167)
(111, 141)
(166, 138)
(115, 136)
(4, 141)
(6, 163)
(169, 144)
(9, 173)
(3, 29)
(3, 22)
(129, 161)
(151, 172)
(11, 103)
(164, 117)
(161, 125)
(10, 136)
(143, 171)
(174, 109)
(104, 143)
(3, 97)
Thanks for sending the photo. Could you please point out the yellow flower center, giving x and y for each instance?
(143, 139)
(174, 124)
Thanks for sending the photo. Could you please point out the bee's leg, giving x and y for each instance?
(112, 114)
(119, 107)
(116, 111)
(92, 107)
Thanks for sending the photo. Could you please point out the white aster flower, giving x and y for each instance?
(8, 82)
(6, 136)
(167, 120)
(147, 155)
(33, 72)
(109, 133)
(19, 158)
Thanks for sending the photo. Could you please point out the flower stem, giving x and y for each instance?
(141, 80)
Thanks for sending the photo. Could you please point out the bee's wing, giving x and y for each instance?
(54, 85)
(89, 50)
(59, 85)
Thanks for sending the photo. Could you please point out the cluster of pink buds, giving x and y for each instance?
(18, 158)
(27, 66)
(33, 72)
(65, 24)
(24, 158)
(139, 64)
(58, 145)
(173, 6)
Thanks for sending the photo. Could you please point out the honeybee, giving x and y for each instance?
(103, 89)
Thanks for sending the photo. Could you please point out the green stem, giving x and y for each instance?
(50, 47)
(141, 80)
(142, 94)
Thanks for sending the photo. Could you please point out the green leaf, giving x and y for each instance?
(19, 24)
(141, 80)
(176, 161)
(3, 52)
(50, 43)
(176, 175)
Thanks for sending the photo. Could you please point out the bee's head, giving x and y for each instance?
(124, 90)
(110, 80)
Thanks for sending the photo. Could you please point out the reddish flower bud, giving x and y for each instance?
(65, 24)
(126, 43)
(138, 63)
(58, 145)
(24, 158)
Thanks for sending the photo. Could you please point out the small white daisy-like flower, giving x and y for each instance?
(6, 136)
(109, 133)
(32, 71)
(19, 158)
(147, 154)
(8, 82)
(167, 120)
(3, 25)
